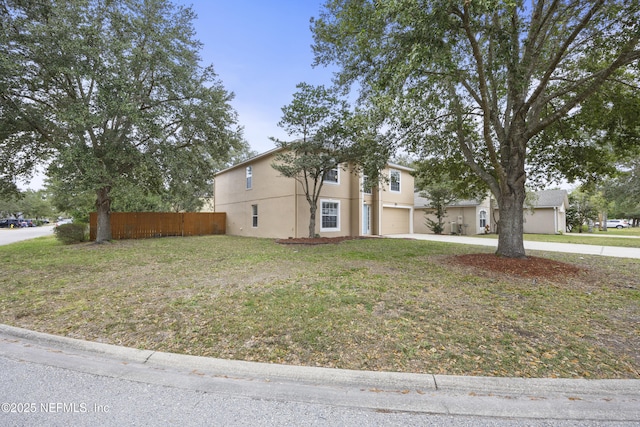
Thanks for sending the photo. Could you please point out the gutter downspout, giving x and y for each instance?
(295, 209)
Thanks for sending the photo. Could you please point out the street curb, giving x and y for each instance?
(341, 377)
(231, 368)
(126, 353)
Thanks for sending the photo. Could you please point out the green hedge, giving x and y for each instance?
(71, 233)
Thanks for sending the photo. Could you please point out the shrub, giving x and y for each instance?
(71, 233)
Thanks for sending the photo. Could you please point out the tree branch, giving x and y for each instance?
(552, 66)
(484, 93)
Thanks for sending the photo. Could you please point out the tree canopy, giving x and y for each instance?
(317, 120)
(477, 83)
(111, 94)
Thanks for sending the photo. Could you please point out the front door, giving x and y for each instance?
(366, 220)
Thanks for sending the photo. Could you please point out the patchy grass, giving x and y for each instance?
(630, 231)
(379, 304)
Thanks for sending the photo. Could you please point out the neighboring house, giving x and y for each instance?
(548, 214)
(545, 215)
(462, 217)
(259, 202)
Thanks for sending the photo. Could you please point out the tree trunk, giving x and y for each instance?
(511, 223)
(312, 220)
(103, 208)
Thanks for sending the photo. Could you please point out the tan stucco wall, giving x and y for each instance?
(545, 221)
(470, 216)
(272, 193)
(394, 210)
(283, 210)
(347, 193)
(405, 196)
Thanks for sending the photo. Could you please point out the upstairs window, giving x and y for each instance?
(394, 178)
(332, 176)
(249, 174)
(367, 187)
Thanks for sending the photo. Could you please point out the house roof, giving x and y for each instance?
(420, 202)
(277, 149)
(252, 159)
(550, 198)
(541, 199)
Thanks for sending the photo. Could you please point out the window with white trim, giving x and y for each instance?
(329, 215)
(332, 176)
(249, 174)
(367, 187)
(483, 218)
(254, 216)
(394, 180)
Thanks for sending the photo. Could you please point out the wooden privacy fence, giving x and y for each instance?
(142, 225)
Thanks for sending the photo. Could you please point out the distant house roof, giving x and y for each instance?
(550, 198)
(421, 202)
(541, 199)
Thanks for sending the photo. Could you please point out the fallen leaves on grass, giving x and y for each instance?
(375, 304)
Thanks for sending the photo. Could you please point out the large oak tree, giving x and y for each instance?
(112, 91)
(480, 81)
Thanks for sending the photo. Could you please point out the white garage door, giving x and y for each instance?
(395, 221)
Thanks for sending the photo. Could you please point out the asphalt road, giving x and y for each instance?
(8, 235)
(64, 397)
(48, 380)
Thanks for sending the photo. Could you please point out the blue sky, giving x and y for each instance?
(260, 51)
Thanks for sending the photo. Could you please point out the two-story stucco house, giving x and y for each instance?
(259, 202)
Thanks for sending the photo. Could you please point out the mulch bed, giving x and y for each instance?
(531, 267)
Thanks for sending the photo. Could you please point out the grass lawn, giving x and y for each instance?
(376, 304)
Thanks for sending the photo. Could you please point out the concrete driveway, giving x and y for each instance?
(611, 251)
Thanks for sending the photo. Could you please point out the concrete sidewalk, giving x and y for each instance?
(611, 251)
(514, 398)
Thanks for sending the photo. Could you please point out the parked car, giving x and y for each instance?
(9, 222)
(617, 223)
(64, 221)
